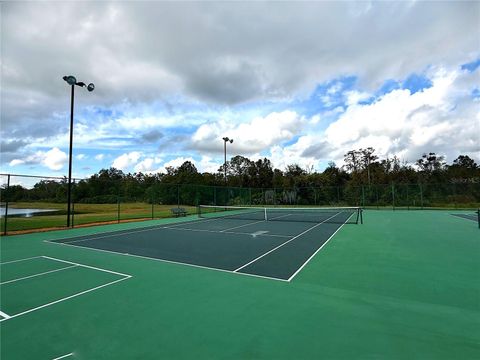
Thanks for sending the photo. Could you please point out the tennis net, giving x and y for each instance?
(336, 215)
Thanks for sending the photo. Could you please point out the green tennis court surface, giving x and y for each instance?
(405, 284)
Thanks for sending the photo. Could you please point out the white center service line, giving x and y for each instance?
(236, 227)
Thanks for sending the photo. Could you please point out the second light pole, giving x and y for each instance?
(225, 140)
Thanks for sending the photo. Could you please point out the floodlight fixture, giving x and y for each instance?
(71, 80)
(225, 140)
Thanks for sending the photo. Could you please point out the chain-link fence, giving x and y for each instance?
(31, 202)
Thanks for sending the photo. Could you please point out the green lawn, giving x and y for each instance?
(86, 214)
(405, 285)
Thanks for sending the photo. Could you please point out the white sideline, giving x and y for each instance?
(4, 315)
(286, 242)
(315, 253)
(63, 356)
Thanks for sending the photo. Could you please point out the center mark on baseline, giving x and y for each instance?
(261, 232)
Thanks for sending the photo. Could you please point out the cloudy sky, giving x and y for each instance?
(297, 82)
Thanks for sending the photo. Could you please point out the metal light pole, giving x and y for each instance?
(72, 81)
(225, 140)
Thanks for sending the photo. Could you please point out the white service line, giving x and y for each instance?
(63, 356)
(65, 298)
(43, 273)
(4, 315)
(286, 242)
(225, 232)
(14, 261)
(236, 227)
(86, 266)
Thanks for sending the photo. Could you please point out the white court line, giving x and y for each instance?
(315, 253)
(65, 298)
(236, 227)
(114, 232)
(256, 222)
(93, 237)
(31, 276)
(124, 277)
(63, 356)
(286, 242)
(470, 217)
(86, 266)
(4, 315)
(125, 232)
(225, 232)
(169, 261)
(14, 261)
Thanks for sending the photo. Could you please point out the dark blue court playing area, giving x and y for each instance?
(239, 244)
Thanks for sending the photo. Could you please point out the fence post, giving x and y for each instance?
(363, 196)
(73, 204)
(6, 206)
(153, 203)
(178, 195)
(454, 196)
(118, 209)
(408, 202)
(421, 195)
(393, 196)
(376, 194)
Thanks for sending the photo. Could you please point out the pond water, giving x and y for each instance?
(24, 212)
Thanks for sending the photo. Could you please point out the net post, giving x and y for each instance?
(361, 215)
(478, 217)
(118, 209)
(265, 211)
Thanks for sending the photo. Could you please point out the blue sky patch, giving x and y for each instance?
(416, 83)
(471, 66)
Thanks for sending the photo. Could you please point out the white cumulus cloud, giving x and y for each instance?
(124, 161)
(54, 159)
(249, 137)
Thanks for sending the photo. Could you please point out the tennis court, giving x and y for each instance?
(247, 284)
(470, 216)
(273, 243)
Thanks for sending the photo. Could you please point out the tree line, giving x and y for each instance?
(362, 168)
